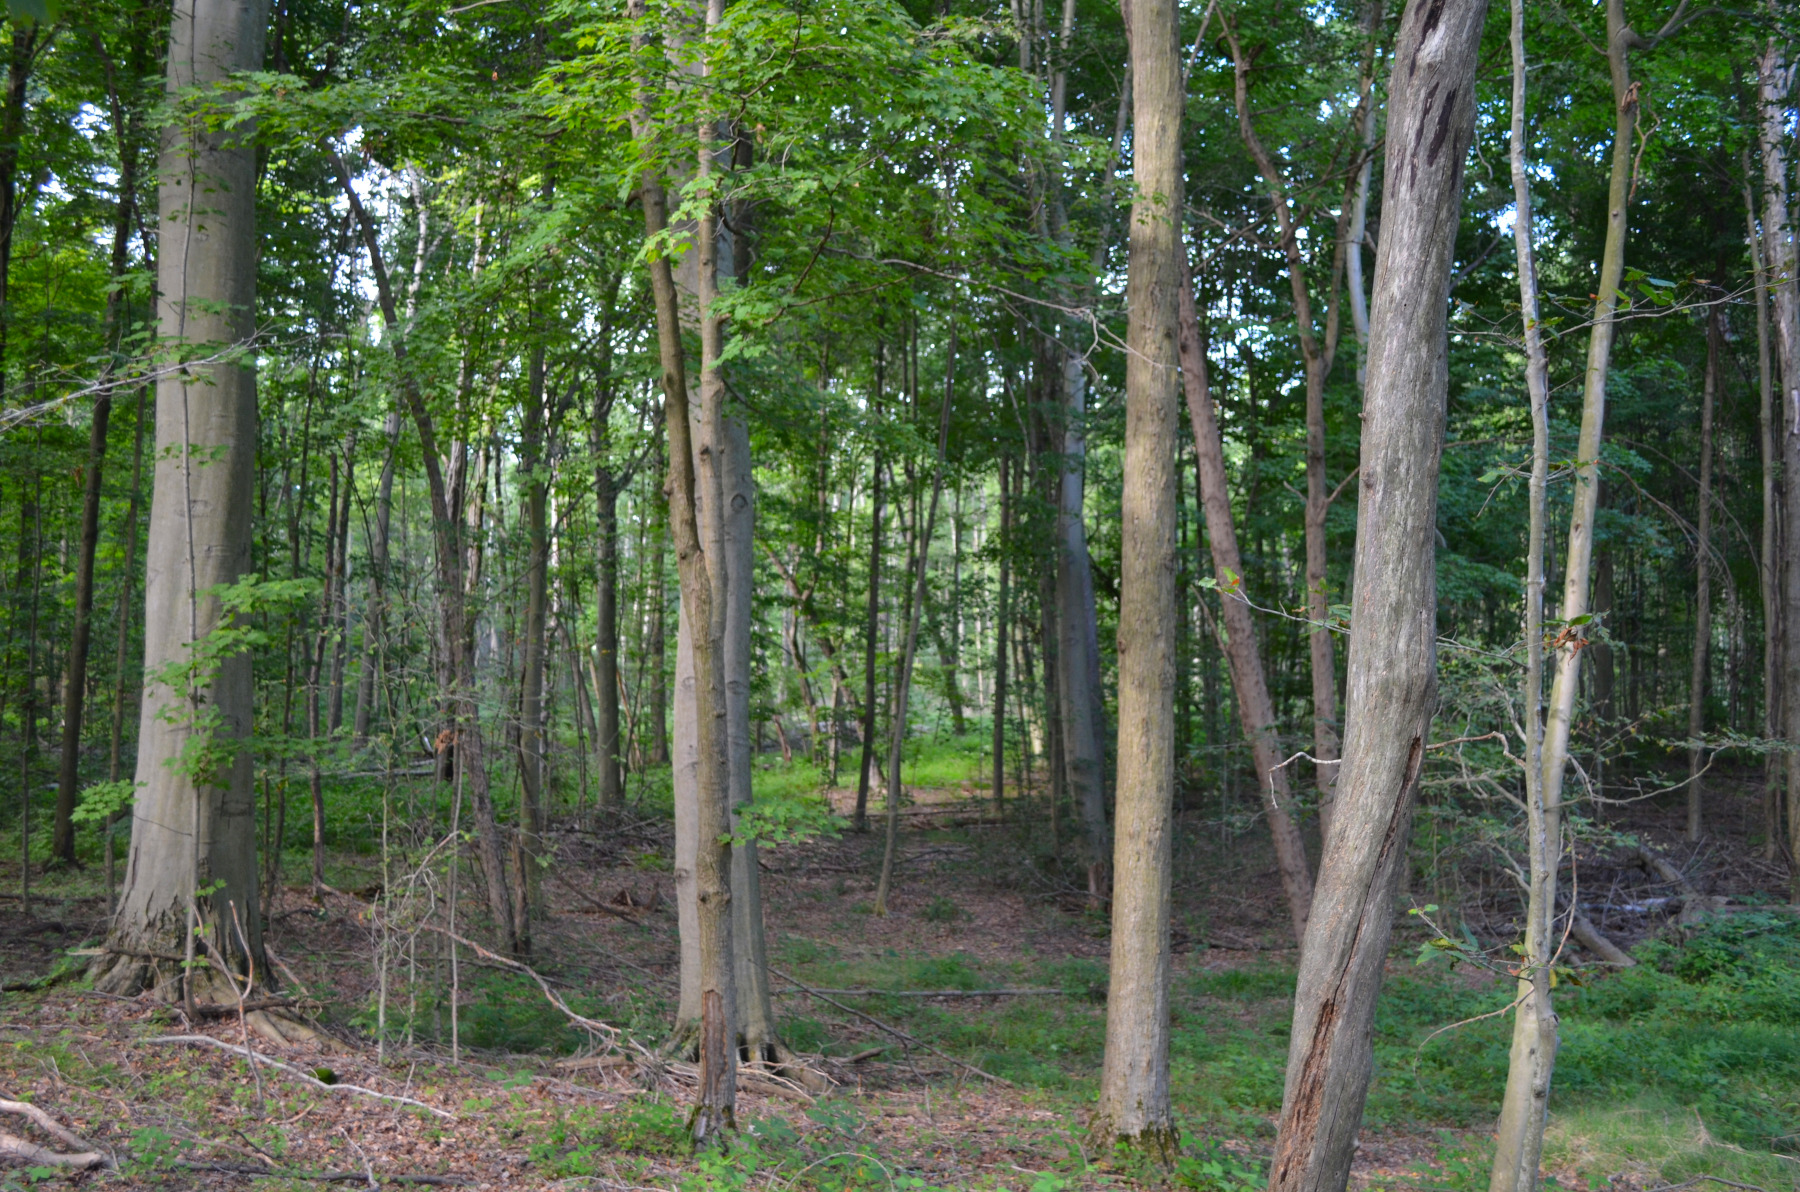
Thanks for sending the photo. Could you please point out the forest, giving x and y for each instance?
(875, 595)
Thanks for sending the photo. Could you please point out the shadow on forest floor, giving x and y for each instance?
(1685, 1066)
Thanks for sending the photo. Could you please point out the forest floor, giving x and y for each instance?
(1647, 1097)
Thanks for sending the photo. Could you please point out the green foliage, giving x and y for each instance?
(785, 809)
(102, 801)
(1213, 1168)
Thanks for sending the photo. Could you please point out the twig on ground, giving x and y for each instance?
(892, 1030)
(303, 1074)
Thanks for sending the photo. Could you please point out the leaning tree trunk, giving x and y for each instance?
(1134, 1109)
(1256, 710)
(1519, 1137)
(1392, 673)
(1702, 588)
(192, 867)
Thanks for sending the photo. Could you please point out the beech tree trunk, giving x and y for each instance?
(1392, 676)
(1768, 569)
(1134, 1109)
(1702, 587)
(1775, 79)
(1243, 652)
(192, 866)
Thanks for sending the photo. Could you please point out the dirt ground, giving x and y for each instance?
(192, 1115)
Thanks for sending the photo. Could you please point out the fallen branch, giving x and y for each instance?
(929, 992)
(892, 1030)
(44, 1122)
(1661, 867)
(621, 912)
(301, 1073)
(22, 1151)
(1591, 938)
(83, 1158)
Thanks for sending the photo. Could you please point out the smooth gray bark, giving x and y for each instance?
(1768, 570)
(194, 823)
(1391, 690)
(1775, 80)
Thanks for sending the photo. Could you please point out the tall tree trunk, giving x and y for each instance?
(871, 626)
(1256, 710)
(1002, 617)
(1080, 706)
(1768, 565)
(1621, 40)
(29, 38)
(528, 843)
(1519, 1136)
(718, 684)
(1392, 675)
(608, 742)
(920, 560)
(1775, 79)
(375, 608)
(68, 779)
(1702, 586)
(1134, 1109)
(192, 866)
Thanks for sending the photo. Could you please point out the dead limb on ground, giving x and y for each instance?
(83, 1157)
(302, 1074)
